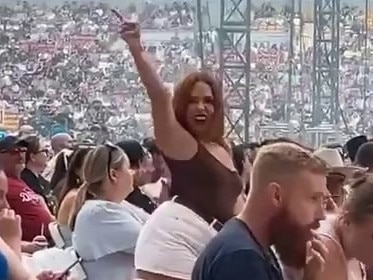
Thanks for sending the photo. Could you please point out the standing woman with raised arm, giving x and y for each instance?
(189, 130)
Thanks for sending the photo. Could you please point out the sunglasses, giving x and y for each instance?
(46, 151)
(14, 151)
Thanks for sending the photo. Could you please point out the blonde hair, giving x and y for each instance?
(96, 170)
(275, 161)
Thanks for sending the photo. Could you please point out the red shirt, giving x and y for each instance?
(29, 205)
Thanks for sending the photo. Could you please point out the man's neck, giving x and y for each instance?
(257, 223)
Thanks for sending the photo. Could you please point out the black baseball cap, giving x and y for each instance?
(10, 142)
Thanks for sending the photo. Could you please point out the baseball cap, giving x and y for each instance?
(11, 142)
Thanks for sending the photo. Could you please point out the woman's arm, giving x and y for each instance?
(66, 209)
(169, 134)
(16, 269)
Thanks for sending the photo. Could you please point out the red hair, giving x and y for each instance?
(181, 101)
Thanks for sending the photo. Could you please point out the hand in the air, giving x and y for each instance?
(10, 226)
(129, 31)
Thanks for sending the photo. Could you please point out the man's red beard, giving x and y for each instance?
(290, 239)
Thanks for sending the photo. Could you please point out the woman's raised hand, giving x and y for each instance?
(129, 31)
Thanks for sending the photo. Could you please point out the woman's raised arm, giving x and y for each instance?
(169, 134)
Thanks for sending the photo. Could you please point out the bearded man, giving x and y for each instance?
(286, 201)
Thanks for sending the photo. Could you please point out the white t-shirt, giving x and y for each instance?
(171, 240)
(105, 237)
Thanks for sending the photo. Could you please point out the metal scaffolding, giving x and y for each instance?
(235, 45)
(295, 38)
(199, 38)
(235, 67)
(325, 97)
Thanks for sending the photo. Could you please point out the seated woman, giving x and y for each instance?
(67, 196)
(347, 238)
(56, 170)
(37, 154)
(106, 226)
(189, 131)
(74, 179)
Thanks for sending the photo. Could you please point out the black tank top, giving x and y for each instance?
(205, 185)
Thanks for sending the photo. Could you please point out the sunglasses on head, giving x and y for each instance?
(111, 147)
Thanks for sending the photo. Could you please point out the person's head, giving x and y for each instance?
(37, 153)
(140, 161)
(26, 130)
(74, 176)
(61, 141)
(356, 221)
(160, 165)
(338, 174)
(59, 163)
(353, 145)
(288, 184)
(242, 163)
(335, 183)
(75, 167)
(364, 156)
(266, 142)
(12, 155)
(3, 190)
(198, 105)
(251, 150)
(106, 176)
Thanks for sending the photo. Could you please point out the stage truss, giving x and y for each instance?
(235, 67)
(325, 97)
(235, 45)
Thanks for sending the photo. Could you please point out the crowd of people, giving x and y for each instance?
(186, 204)
(73, 52)
(69, 51)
